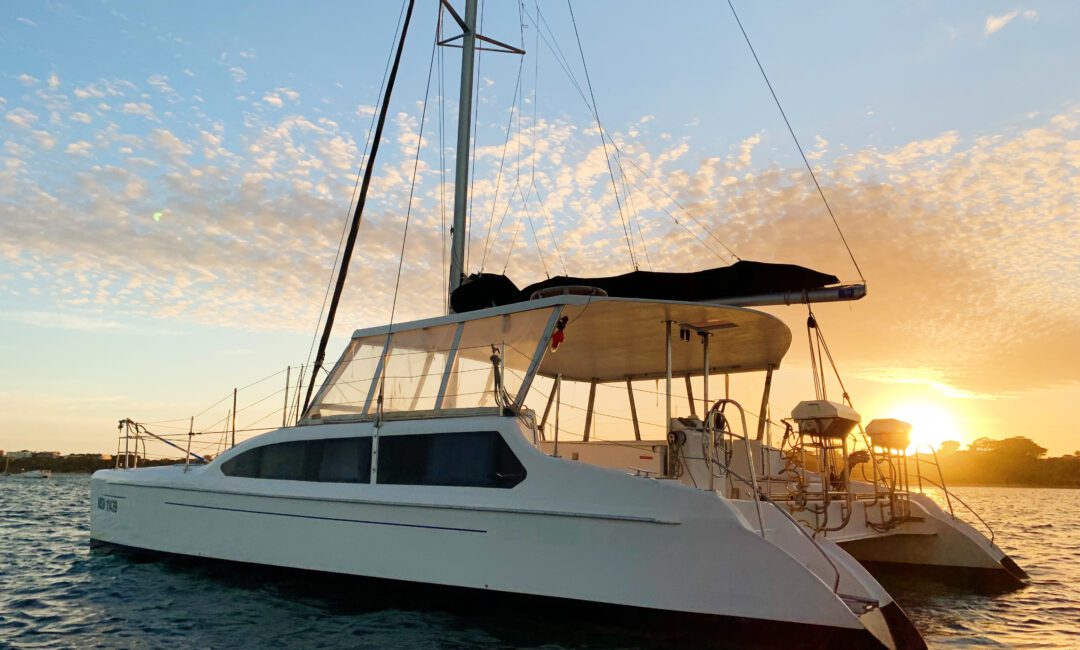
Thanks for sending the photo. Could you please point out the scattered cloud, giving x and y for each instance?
(161, 83)
(239, 75)
(139, 108)
(21, 117)
(274, 98)
(26, 21)
(997, 23)
(54, 81)
(81, 148)
(44, 139)
(27, 80)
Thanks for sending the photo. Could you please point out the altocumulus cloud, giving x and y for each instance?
(957, 234)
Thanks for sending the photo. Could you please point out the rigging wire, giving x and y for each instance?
(540, 22)
(514, 111)
(681, 207)
(603, 139)
(352, 197)
(442, 177)
(536, 239)
(532, 152)
(677, 222)
(802, 153)
(354, 227)
(412, 193)
(516, 108)
(634, 217)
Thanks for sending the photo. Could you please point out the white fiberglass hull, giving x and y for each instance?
(570, 531)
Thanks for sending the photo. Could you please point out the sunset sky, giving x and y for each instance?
(174, 178)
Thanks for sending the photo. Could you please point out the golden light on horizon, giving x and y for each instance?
(931, 424)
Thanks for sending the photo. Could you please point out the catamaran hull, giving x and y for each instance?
(563, 619)
(700, 566)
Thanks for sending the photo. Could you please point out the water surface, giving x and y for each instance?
(57, 592)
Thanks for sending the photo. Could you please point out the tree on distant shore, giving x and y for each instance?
(1017, 460)
(949, 447)
(1015, 447)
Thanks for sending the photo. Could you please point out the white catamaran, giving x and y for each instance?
(420, 461)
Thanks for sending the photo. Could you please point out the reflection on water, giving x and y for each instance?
(57, 592)
(1040, 529)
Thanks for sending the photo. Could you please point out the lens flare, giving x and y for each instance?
(931, 424)
(158, 215)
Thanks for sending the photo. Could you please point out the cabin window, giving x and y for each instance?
(334, 460)
(284, 461)
(467, 459)
(345, 460)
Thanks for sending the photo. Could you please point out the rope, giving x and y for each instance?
(802, 153)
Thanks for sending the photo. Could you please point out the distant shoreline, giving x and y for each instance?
(1015, 485)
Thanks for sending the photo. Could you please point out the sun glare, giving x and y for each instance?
(930, 424)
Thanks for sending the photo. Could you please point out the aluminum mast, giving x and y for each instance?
(461, 172)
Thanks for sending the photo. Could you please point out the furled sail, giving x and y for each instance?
(743, 278)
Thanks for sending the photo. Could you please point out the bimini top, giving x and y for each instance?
(448, 362)
(613, 339)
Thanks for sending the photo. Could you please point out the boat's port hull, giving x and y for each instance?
(677, 564)
(518, 619)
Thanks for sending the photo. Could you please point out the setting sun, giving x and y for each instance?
(930, 424)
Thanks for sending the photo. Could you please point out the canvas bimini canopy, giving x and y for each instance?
(446, 364)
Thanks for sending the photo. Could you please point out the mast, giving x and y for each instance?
(461, 170)
(346, 256)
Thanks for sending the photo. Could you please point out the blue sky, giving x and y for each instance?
(944, 132)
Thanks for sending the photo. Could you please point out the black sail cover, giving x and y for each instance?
(743, 278)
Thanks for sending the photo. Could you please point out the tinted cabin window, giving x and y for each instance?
(470, 459)
(336, 460)
(345, 460)
(284, 461)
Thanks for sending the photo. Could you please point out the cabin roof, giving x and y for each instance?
(613, 339)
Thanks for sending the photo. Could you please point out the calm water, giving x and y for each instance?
(57, 592)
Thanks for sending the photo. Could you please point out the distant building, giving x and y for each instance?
(46, 454)
(19, 455)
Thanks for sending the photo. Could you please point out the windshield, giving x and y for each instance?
(433, 369)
